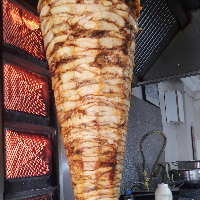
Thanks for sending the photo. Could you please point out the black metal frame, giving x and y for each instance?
(28, 122)
(13, 54)
(27, 194)
(26, 6)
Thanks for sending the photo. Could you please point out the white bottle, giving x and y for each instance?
(163, 192)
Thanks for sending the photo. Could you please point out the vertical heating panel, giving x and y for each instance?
(27, 154)
(25, 91)
(21, 29)
(30, 139)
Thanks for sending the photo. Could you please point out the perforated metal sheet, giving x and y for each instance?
(27, 154)
(24, 91)
(21, 29)
(156, 20)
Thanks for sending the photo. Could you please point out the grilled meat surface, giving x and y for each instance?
(90, 48)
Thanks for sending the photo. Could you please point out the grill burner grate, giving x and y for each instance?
(21, 29)
(45, 197)
(27, 154)
(156, 20)
(24, 91)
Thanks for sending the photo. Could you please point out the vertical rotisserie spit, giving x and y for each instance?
(90, 48)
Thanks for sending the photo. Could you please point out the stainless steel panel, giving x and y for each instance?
(68, 193)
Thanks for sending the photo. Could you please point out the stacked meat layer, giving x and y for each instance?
(90, 48)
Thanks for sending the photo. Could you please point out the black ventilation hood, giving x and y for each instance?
(161, 21)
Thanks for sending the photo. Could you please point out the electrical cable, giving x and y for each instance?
(161, 166)
(148, 180)
(133, 184)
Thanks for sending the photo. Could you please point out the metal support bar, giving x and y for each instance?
(167, 78)
(31, 193)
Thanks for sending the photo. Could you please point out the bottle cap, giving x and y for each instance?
(163, 185)
(128, 192)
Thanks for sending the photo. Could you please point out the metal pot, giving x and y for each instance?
(186, 165)
(191, 177)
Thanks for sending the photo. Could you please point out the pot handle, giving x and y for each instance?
(175, 163)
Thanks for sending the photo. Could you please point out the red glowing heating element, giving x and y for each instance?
(27, 154)
(45, 197)
(21, 29)
(24, 91)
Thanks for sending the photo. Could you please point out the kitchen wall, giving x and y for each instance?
(143, 117)
(179, 147)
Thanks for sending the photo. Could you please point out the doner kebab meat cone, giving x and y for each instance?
(90, 47)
